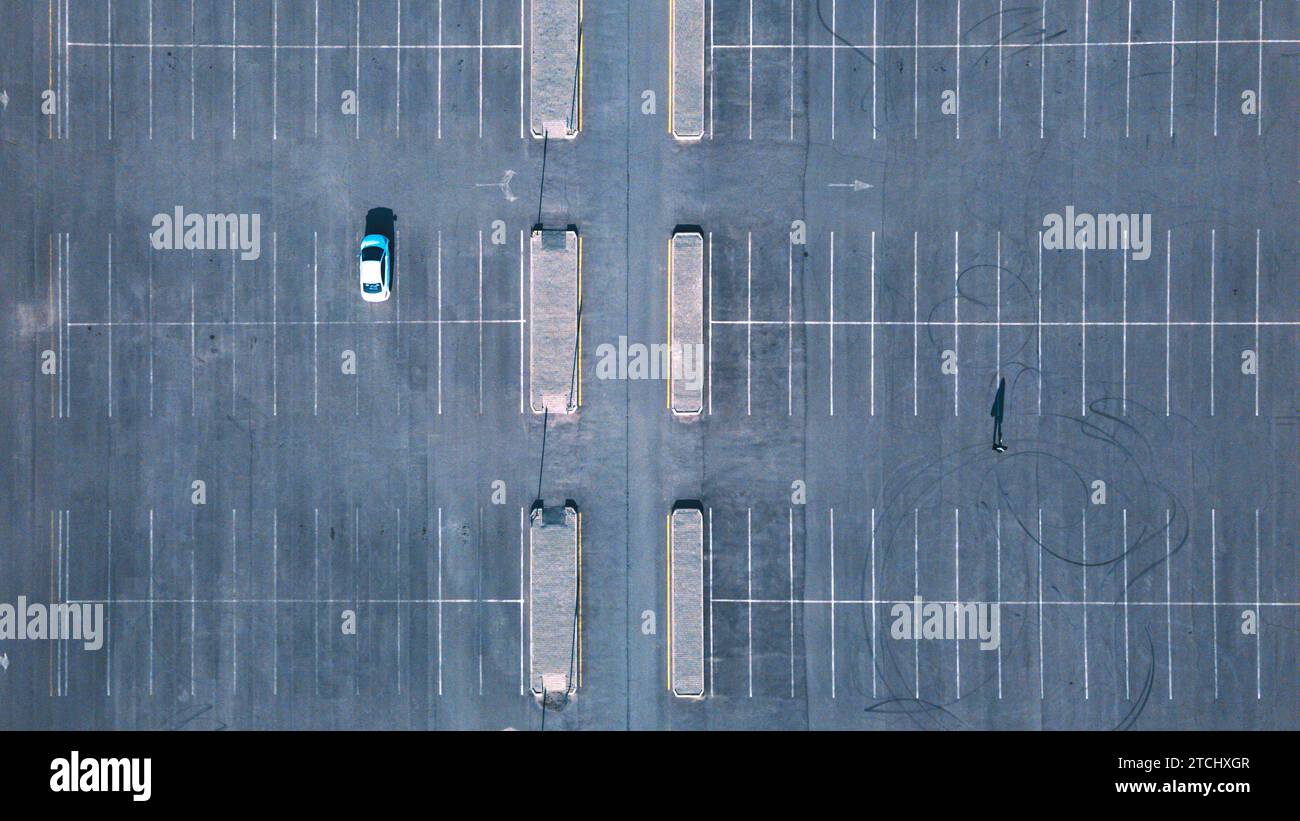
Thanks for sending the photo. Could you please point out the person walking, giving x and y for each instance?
(999, 402)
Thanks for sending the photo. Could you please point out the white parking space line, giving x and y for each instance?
(1039, 324)
(831, 346)
(315, 611)
(916, 593)
(956, 318)
(749, 321)
(832, 512)
(1039, 552)
(749, 572)
(440, 316)
(234, 586)
(1259, 97)
(1216, 67)
(789, 331)
(275, 327)
(956, 575)
(480, 94)
(521, 39)
(439, 82)
(834, 53)
(108, 613)
(1083, 333)
(193, 54)
(1214, 596)
(357, 82)
(521, 322)
(151, 602)
(275, 608)
(712, 656)
(1086, 22)
(790, 570)
(997, 338)
(1123, 384)
(998, 566)
(1258, 364)
(1169, 253)
(275, 69)
(400, 578)
(1173, 38)
(1169, 618)
(1001, 71)
(315, 69)
(1259, 693)
(957, 56)
(1124, 560)
(875, 646)
(398, 129)
(193, 353)
(110, 326)
(916, 69)
(1212, 321)
(66, 108)
(110, 71)
(234, 72)
(480, 311)
(1042, 70)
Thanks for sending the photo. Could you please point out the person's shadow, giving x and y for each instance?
(383, 221)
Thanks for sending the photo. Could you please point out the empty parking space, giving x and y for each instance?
(293, 69)
(922, 324)
(1076, 68)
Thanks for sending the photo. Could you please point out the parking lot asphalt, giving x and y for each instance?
(303, 511)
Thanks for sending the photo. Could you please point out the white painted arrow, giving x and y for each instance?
(856, 185)
(504, 185)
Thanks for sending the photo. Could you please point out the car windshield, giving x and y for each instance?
(371, 287)
(372, 253)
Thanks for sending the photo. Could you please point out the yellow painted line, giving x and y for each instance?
(49, 48)
(672, 14)
(579, 321)
(668, 540)
(579, 599)
(582, 60)
(668, 391)
(51, 653)
(53, 321)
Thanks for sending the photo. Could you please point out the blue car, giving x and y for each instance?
(375, 268)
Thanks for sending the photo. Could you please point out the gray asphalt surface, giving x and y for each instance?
(372, 492)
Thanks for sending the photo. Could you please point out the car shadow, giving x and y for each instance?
(383, 221)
